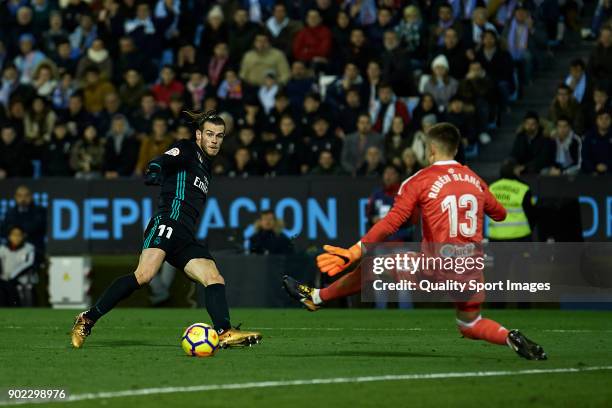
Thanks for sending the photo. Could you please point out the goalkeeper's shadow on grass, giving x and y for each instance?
(126, 343)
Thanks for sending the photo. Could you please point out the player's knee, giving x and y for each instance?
(212, 276)
(144, 275)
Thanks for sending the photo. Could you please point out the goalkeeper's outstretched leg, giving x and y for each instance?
(473, 326)
(313, 298)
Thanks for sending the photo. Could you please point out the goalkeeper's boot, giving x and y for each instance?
(525, 347)
(300, 292)
(235, 337)
(81, 329)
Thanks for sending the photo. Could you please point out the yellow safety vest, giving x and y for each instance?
(510, 193)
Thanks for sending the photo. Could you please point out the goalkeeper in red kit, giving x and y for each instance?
(451, 212)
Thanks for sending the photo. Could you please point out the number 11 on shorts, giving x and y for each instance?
(163, 228)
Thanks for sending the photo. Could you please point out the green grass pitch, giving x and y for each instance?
(134, 349)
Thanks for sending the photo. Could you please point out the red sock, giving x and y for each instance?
(347, 285)
(484, 329)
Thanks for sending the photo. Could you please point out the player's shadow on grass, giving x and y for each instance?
(381, 354)
(127, 343)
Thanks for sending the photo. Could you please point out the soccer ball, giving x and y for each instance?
(200, 340)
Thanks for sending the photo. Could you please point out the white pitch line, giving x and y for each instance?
(313, 381)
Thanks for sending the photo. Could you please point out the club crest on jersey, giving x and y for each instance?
(201, 184)
(173, 152)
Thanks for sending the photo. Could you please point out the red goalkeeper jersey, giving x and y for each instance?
(452, 200)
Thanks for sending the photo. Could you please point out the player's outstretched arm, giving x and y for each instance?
(336, 259)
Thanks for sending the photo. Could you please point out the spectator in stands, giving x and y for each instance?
(213, 32)
(455, 53)
(385, 108)
(409, 163)
(478, 92)
(597, 146)
(357, 143)
(29, 59)
(242, 33)
(121, 150)
(87, 154)
(45, 79)
(14, 160)
(97, 56)
(464, 121)
(498, 65)
(197, 88)
(419, 141)
(382, 199)
(397, 65)
(337, 90)
(282, 29)
(269, 237)
(263, 59)
(384, 22)
(167, 86)
(532, 150)
(472, 36)
(18, 267)
(373, 165)
(600, 60)
(231, 90)
(54, 34)
(300, 84)
(577, 81)
(348, 113)
(218, 64)
(313, 43)
(603, 14)
(358, 50)
(154, 145)
(131, 58)
(565, 105)
(65, 59)
(446, 20)
(441, 85)
(321, 138)
(568, 155)
(60, 96)
(411, 32)
(141, 119)
(29, 217)
(396, 141)
(426, 106)
(112, 106)
(267, 92)
(242, 166)
(56, 153)
(76, 117)
(38, 124)
(83, 36)
(273, 164)
(327, 166)
(599, 102)
(96, 87)
(518, 36)
(341, 31)
(132, 90)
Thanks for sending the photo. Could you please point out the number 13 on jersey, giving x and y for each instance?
(468, 204)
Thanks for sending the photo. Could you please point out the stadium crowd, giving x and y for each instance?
(96, 89)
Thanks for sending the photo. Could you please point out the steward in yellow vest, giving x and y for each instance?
(515, 196)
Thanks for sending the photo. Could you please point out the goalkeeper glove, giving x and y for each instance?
(336, 259)
(153, 176)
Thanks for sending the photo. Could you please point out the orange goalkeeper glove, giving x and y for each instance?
(336, 259)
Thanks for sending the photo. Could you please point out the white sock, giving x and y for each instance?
(316, 299)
